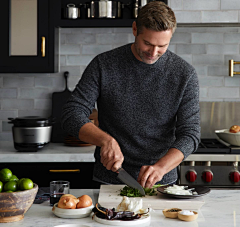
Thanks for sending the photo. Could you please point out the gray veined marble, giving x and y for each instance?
(221, 209)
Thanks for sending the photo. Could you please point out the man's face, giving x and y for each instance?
(150, 45)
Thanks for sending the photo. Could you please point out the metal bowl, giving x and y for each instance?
(229, 137)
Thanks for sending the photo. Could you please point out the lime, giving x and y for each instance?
(1, 186)
(19, 182)
(13, 178)
(26, 184)
(10, 186)
(9, 191)
(5, 174)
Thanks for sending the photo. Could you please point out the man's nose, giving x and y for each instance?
(154, 51)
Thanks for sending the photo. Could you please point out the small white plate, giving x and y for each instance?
(144, 219)
(72, 213)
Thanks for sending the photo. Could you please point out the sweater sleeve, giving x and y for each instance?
(79, 106)
(188, 118)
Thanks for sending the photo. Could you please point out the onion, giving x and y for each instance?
(84, 201)
(70, 195)
(67, 202)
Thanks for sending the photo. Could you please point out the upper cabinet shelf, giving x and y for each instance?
(91, 13)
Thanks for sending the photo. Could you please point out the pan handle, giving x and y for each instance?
(66, 79)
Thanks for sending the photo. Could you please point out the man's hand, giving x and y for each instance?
(149, 175)
(111, 155)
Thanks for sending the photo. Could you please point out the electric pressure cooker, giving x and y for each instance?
(31, 133)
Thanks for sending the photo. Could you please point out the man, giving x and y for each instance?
(148, 104)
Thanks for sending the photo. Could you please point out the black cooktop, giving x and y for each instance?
(214, 146)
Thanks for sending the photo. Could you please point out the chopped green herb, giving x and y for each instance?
(132, 192)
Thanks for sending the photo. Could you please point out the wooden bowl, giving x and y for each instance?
(188, 217)
(13, 205)
(171, 214)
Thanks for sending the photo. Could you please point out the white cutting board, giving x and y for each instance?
(109, 197)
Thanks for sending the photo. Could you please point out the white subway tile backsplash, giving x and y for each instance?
(181, 37)
(211, 81)
(201, 5)
(18, 81)
(17, 104)
(79, 60)
(35, 112)
(186, 57)
(230, 4)
(5, 114)
(176, 4)
(6, 136)
(36, 93)
(42, 104)
(114, 38)
(231, 37)
(8, 93)
(73, 70)
(70, 49)
(207, 37)
(201, 70)
(223, 49)
(191, 49)
(232, 81)
(80, 38)
(219, 16)
(188, 16)
(95, 49)
(223, 92)
(94, 30)
(203, 92)
(207, 59)
(220, 70)
(6, 127)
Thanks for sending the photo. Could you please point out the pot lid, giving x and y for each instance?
(31, 121)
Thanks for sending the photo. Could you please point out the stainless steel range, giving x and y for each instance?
(214, 164)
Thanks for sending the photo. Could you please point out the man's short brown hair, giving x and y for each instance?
(156, 16)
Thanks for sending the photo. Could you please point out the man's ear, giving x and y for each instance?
(134, 28)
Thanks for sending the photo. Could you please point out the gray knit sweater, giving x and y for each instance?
(147, 108)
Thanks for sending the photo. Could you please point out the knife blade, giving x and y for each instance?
(127, 179)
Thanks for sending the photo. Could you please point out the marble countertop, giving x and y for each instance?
(221, 209)
(54, 152)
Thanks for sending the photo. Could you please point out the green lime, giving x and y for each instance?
(19, 182)
(9, 191)
(5, 174)
(26, 184)
(10, 186)
(1, 186)
(13, 178)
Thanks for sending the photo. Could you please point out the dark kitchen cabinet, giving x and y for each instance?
(29, 40)
(79, 174)
(126, 19)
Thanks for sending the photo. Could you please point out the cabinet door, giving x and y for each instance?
(25, 27)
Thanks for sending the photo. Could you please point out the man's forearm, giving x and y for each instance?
(170, 160)
(90, 133)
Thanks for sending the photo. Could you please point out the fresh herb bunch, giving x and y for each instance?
(132, 192)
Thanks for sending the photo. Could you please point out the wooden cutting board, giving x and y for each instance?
(109, 197)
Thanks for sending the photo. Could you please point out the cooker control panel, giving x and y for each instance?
(214, 174)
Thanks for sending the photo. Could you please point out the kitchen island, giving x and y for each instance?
(221, 209)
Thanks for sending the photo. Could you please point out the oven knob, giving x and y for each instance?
(207, 176)
(191, 175)
(235, 176)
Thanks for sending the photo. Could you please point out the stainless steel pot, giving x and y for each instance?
(71, 11)
(31, 133)
(104, 9)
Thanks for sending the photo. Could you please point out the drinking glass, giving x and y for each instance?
(57, 189)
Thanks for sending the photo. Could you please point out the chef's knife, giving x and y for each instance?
(129, 180)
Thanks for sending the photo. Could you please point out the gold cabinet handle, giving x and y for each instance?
(43, 47)
(64, 170)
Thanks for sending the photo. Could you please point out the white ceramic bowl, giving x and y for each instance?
(229, 137)
(72, 213)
